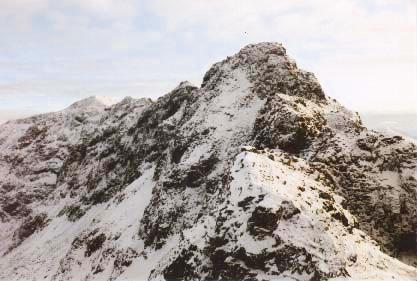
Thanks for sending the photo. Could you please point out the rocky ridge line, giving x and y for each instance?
(257, 174)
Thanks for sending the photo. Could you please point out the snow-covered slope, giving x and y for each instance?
(257, 175)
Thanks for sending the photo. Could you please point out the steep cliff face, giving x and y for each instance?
(257, 175)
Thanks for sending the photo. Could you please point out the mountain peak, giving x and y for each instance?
(270, 71)
(255, 175)
(184, 84)
(264, 48)
(94, 101)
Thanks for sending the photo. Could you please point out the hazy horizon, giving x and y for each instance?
(403, 123)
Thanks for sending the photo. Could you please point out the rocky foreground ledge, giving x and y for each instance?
(256, 175)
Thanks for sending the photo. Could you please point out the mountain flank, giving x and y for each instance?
(255, 175)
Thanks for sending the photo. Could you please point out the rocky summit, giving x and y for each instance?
(255, 175)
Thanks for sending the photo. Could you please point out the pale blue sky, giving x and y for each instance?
(54, 52)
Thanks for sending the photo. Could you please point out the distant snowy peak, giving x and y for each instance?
(93, 102)
(184, 84)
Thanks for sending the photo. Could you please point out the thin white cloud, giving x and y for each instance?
(108, 9)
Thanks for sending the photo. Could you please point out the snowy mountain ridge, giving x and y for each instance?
(255, 175)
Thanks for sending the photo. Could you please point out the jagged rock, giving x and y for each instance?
(255, 175)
